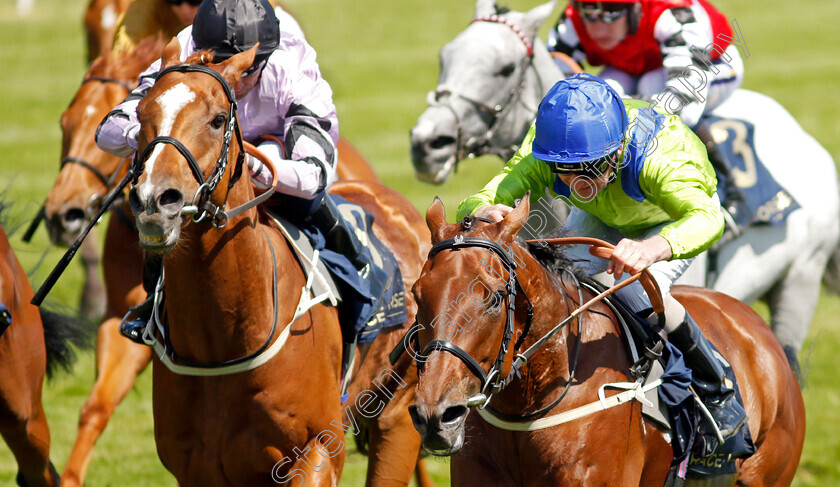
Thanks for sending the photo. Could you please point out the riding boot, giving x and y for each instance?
(133, 329)
(341, 238)
(734, 202)
(709, 376)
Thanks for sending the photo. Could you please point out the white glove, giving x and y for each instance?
(260, 174)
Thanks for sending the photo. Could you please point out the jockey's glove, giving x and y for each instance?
(260, 174)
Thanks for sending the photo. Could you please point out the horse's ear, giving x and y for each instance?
(535, 17)
(171, 54)
(232, 69)
(436, 219)
(513, 221)
(485, 8)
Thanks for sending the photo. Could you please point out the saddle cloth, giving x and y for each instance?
(336, 275)
(675, 410)
(767, 201)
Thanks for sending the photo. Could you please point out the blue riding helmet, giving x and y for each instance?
(580, 120)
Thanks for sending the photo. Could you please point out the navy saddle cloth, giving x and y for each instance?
(362, 311)
(767, 201)
(689, 430)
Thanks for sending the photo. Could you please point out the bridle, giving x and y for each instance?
(201, 206)
(494, 114)
(491, 381)
(107, 181)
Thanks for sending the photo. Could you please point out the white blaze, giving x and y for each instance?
(171, 102)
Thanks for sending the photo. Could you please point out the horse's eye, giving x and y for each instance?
(218, 121)
(498, 299)
(506, 70)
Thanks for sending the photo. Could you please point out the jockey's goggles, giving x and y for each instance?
(604, 11)
(194, 3)
(590, 169)
(253, 69)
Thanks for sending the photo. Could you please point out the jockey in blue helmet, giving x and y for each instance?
(637, 178)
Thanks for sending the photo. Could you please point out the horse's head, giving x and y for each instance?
(87, 172)
(470, 309)
(189, 145)
(492, 78)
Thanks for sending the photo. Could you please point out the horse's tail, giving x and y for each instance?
(63, 334)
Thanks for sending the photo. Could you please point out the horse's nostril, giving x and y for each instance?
(74, 215)
(170, 197)
(134, 202)
(415, 416)
(441, 141)
(453, 414)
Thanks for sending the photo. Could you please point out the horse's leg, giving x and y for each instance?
(421, 475)
(118, 363)
(92, 301)
(394, 443)
(29, 440)
(315, 468)
(793, 302)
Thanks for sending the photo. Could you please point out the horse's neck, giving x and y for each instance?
(549, 369)
(220, 285)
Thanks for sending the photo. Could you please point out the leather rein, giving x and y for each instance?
(491, 381)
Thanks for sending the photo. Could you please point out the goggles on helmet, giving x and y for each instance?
(194, 3)
(606, 12)
(257, 66)
(590, 169)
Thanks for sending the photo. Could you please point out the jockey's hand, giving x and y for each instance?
(494, 213)
(632, 256)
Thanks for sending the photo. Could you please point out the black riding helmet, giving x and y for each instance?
(233, 26)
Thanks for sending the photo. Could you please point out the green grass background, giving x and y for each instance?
(380, 58)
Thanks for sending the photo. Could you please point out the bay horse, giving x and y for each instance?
(223, 276)
(87, 175)
(474, 298)
(32, 343)
(499, 62)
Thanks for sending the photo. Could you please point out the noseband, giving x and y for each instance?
(202, 207)
(491, 381)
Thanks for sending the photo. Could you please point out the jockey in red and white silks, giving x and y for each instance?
(681, 54)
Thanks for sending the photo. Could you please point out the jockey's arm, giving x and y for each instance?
(684, 34)
(563, 38)
(679, 179)
(521, 174)
(117, 133)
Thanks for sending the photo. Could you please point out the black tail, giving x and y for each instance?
(63, 334)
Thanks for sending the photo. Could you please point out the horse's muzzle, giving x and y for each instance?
(441, 427)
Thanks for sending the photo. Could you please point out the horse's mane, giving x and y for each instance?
(205, 56)
(551, 257)
(127, 67)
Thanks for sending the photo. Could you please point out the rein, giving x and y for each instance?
(477, 146)
(491, 382)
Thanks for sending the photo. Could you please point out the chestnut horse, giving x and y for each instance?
(87, 175)
(616, 446)
(101, 24)
(272, 398)
(31, 344)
